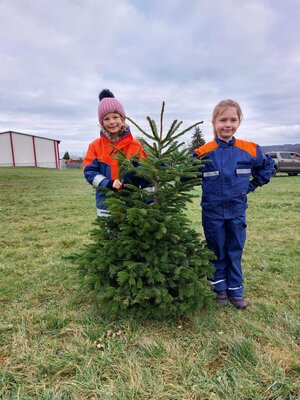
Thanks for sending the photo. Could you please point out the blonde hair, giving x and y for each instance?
(220, 107)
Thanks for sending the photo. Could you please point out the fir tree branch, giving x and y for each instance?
(172, 129)
(161, 120)
(173, 148)
(140, 129)
(187, 129)
(153, 128)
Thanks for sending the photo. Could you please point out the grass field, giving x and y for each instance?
(56, 345)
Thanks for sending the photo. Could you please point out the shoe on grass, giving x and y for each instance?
(222, 298)
(238, 302)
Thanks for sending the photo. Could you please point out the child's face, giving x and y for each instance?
(113, 123)
(226, 123)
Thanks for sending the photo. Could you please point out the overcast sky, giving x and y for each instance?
(56, 55)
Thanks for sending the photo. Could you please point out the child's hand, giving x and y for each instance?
(117, 184)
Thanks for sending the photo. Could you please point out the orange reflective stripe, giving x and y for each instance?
(206, 148)
(249, 147)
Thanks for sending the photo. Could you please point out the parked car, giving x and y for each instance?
(286, 161)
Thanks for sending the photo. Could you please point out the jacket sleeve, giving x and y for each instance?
(262, 170)
(91, 170)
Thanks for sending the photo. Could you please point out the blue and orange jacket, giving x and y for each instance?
(226, 175)
(100, 167)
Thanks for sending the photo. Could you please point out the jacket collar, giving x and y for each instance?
(222, 143)
(124, 139)
(107, 136)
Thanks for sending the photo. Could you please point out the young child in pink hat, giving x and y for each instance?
(99, 165)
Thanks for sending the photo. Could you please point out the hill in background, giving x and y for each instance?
(282, 147)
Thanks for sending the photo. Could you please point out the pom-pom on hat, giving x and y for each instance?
(108, 104)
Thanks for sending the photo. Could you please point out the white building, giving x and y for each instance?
(22, 150)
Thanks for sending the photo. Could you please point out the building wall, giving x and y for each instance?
(45, 153)
(21, 150)
(6, 159)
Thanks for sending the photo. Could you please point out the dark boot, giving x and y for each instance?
(238, 302)
(222, 298)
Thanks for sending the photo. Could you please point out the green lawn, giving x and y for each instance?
(56, 345)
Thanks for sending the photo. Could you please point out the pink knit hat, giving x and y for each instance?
(108, 104)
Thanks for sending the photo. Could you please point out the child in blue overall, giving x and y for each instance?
(225, 184)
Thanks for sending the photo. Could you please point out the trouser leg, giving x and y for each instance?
(214, 231)
(235, 233)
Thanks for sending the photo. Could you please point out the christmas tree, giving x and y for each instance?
(145, 259)
(197, 140)
(66, 156)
